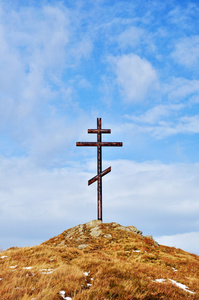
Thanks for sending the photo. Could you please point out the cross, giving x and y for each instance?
(99, 144)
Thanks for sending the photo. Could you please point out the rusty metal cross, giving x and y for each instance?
(100, 173)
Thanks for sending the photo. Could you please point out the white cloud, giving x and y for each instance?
(188, 124)
(131, 37)
(186, 241)
(158, 199)
(175, 116)
(152, 124)
(183, 125)
(181, 89)
(168, 187)
(135, 37)
(135, 76)
(37, 48)
(32, 193)
(33, 51)
(186, 52)
(36, 40)
(156, 114)
(182, 16)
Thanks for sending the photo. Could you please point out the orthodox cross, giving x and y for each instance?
(100, 173)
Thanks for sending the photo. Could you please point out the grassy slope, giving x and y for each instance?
(117, 269)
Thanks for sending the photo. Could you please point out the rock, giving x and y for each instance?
(95, 231)
(82, 246)
(62, 243)
(81, 226)
(156, 243)
(151, 237)
(129, 229)
(134, 229)
(108, 236)
(114, 224)
(84, 233)
(93, 223)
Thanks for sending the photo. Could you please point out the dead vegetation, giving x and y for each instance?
(115, 263)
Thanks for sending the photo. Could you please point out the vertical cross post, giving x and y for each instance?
(100, 173)
(99, 169)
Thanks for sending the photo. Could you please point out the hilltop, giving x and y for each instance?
(99, 261)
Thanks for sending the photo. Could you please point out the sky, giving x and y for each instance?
(135, 64)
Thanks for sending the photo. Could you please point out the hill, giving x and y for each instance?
(99, 261)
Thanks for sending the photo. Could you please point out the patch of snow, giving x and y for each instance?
(4, 256)
(1, 278)
(13, 267)
(160, 280)
(182, 286)
(62, 294)
(47, 271)
(136, 250)
(86, 273)
(27, 268)
(174, 270)
(89, 284)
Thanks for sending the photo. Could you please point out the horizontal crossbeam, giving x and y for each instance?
(101, 175)
(106, 144)
(99, 130)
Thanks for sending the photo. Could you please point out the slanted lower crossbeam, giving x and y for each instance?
(99, 144)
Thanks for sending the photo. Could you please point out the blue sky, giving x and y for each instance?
(134, 64)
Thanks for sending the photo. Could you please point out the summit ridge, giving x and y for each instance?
(98, 261)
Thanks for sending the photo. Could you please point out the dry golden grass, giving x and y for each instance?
(116, 270)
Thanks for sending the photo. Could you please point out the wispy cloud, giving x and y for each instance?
(135, 76)
(39, 46)
(156, 114)
(183, 125)
(186, 52)
(186, 241)
(176, 116)
(183, 15)
(132, 36)
(182, 89)
(153, 123)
